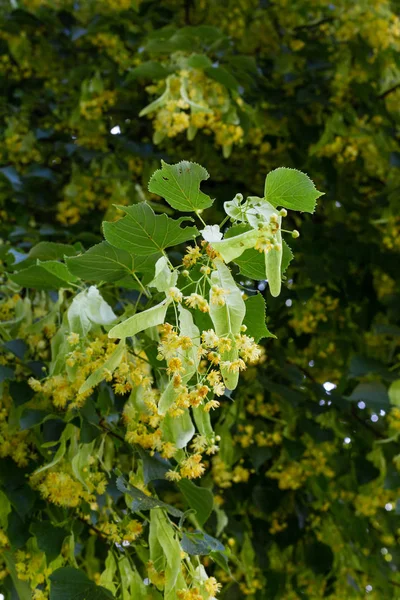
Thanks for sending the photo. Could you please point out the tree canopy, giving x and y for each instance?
(199, 299)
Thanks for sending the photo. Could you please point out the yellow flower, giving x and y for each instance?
(192, 256)
(197, 301)
(209, 338)
(212, 586)
(175, 293)
(211, 404)
(175, 366)
(218, 295)
(192, 467)
(172, 476)
(133, 531)
(73, 339)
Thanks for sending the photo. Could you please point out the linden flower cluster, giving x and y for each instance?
(143, 423)
(15, 444)
(85, 358)
(192, 101)
(60, 487)
(90, 190)
(31, 566)
(93, 108)
(309, 315)
(210, 585)
(293, 474)
(209, 351)
(121, 533)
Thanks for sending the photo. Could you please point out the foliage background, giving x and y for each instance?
(308, 476)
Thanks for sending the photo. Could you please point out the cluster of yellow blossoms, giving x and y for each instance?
(93, 108)
(293, 474)
(95, 189)
(84, 358)
(114, 47)
(13, 443)
(211, 586)
(391, 233)
(191, 102)
(20, 145)
(307, 316)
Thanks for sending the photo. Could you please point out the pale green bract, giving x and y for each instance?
(164, 278)
(87, 309)
(227, 319)
(110, 365)
(141, 321)
(233, 247)
(273, 264)
(180, 185)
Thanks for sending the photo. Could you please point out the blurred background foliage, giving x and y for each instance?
(93, 94)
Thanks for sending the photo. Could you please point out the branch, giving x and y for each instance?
(389, 91)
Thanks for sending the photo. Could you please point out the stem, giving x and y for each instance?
(201, 218)
(224, 221)
(136, 278)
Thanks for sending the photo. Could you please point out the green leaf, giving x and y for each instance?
(252, 264)
(141, 232)
(363, 365)
(68, 432)
(222, 76)
(102, 262)
(48, 275)
(5, 509)
(291, 189)
(110, 364)
(21, 587)
(227, 319)
(31, 417)
(6, 373)
(180, 185)
(141, 501)
(255, 318)
(46, 251)
(149, 70)
(198, 498)
(394, 393)
(287, 256)
(68, 583)
(374, 394)
(154, 467)
(199, 61)
(49, 538)
(199, 543)
(141, 321)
